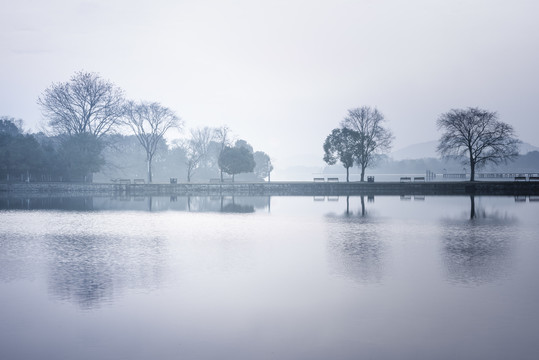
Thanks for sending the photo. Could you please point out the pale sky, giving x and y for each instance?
(282, 74)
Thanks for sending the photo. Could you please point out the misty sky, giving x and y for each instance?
(282, 74)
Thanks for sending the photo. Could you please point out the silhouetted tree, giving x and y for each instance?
(85, 104)
(477, 137)
(20, 154)
(10, 126)
(243, 144)
(80, 156)
(236, 160)
(149, 122)
(342, 144)
(374, 138)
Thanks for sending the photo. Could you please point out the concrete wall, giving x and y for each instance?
(278, 188)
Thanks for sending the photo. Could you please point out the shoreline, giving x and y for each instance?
(278, 188)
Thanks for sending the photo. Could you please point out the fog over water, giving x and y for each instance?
(291, 278)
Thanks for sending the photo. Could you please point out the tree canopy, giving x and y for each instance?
(85, 104)
(149, 122)
(373, 139)
(344, 145)
(236, 160)
(476, 137)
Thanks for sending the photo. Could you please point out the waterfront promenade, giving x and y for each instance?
(276, 188)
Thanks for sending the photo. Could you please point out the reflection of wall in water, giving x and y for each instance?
(241, 204)
(79, 203)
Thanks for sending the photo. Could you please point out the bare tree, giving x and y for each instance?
(477, 137)
(196, 149)
(149, 122)
(87, 104)
(373, 138)
(223, 137)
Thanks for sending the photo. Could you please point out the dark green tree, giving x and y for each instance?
(343, 145)
(20, 154)
(81, 156)
(236, 160)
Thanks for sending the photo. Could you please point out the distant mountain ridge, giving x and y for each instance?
(428, 150)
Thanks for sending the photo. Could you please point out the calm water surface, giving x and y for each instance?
(261, 278)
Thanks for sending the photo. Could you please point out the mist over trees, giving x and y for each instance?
(87, 120)
(476, 137)
(263, 165)
(149, 122)
(197, 149)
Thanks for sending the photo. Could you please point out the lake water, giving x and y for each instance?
(270, 278)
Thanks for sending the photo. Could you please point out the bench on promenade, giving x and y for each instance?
(533, 178)
(318, 179)
(124, 181)
(139, 181)
(406, 179)
(520, 178)
(370, 178)
(419, 178)
(333, 179)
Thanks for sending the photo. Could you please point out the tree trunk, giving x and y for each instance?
(149, 169)
(362, 173)
(472, 165)
(347, 174)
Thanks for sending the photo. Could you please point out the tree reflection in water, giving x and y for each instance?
(92, 269)
(356, 249)
(477, 250)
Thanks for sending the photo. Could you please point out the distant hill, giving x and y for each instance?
(428, 150)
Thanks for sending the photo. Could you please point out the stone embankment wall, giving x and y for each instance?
(277, 188)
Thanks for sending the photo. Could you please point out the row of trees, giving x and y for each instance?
(84, 113)
(473, 136)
